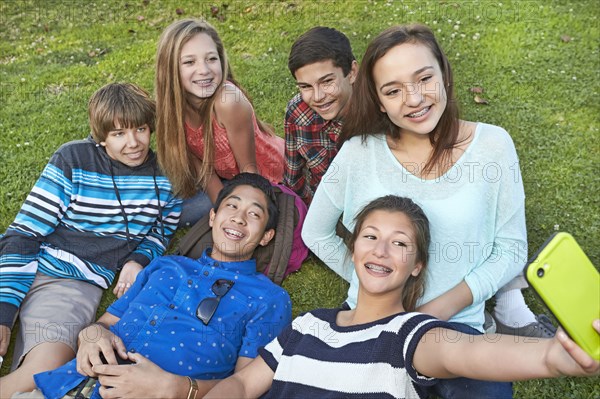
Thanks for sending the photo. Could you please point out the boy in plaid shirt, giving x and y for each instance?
(324, 67)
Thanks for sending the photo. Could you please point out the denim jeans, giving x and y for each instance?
(463, 388)
(194, 209)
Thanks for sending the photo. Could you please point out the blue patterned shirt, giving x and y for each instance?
(157, 318)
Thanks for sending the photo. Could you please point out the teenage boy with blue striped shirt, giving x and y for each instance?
(100, 205)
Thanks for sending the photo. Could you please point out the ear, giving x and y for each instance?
(103, 143)
(353, 72)
(211, 218)
(382, 109)
(417, 270)
(267, 237)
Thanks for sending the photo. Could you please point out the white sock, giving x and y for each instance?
(511, 309)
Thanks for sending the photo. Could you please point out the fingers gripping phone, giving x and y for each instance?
(120, 360)
(567, 282)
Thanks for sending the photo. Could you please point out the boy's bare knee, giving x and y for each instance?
(43, 357)
(47, 356)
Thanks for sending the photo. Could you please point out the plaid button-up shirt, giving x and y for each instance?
(309, 147)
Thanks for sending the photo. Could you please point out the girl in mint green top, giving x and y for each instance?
(476, 209)
(403, 136)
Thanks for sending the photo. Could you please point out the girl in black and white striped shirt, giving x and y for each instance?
(382, 348)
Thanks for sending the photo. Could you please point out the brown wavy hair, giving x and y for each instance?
(364, 117)
(125, 103)
(415, 286)
(186, 171)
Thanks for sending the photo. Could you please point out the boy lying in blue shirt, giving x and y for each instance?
(199, 318)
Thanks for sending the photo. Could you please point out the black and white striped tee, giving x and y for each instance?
(316, 358)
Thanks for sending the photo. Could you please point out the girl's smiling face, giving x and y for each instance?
(200, 68)
(410, 88)
(384, 254)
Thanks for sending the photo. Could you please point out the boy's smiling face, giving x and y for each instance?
(324, 87)
(238, 226)
(128, 145)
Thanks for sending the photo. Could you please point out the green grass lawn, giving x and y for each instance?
(536, 61)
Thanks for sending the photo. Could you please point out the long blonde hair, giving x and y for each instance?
(186, 172)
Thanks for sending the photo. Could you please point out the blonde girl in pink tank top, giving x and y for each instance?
(206, 129)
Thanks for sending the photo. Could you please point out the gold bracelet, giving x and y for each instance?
(193, 388)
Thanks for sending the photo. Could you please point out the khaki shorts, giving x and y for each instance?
(54, 310)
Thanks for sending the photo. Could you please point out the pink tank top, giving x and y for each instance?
(269, 151)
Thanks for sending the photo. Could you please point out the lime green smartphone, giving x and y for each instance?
(565, 279)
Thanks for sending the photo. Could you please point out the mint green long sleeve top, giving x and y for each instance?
(476, 212)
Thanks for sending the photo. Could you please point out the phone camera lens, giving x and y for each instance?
(540, 272)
